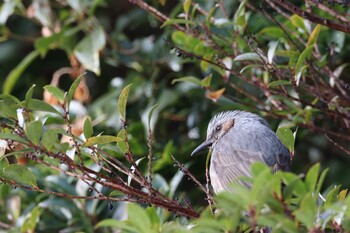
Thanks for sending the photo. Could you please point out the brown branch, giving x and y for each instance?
(160, 16)
(337, 145)
(306, 15)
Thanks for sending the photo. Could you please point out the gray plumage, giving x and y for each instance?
(238, 139)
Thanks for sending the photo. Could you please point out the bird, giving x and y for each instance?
(238, 139)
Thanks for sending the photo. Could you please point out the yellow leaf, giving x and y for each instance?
(215, 95)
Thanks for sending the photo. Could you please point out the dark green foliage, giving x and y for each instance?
(190, 59)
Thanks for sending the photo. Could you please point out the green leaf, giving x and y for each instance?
(165, 157)
(123, 98)
(279, 83)
(298, 22)
(13, 137)
(20, 174)
(287, 138)
(314, 35)
(271, 52)
(101, 140)
(150, 115)
(187, 5)
(8, 109)
(321, 179)
(43, 44)
(29, 95)
(176, 21)
(273, 32)
(122, 145)
(31, 220)
(332, 196)
(14, 75)
(179, 37)
(17, 152)
(210, 15)
(39, 105)
(311, 177)
(50, 138)
(56, 92)
(88, 129)
(247, 57)
(33, 131)
(239, 17)
(206, 81)
(307, 211)
(301, 60)
(189, 79)
(120, 225)
(73, 88)
(138, 218)
(87, 51)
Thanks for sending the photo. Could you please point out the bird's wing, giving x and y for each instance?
(227, 166)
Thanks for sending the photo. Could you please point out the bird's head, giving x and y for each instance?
(218, 126)
(223, 122)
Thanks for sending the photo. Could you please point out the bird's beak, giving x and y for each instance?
(202, 146)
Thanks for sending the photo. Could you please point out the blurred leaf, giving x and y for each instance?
(14, 75)
(101, 140)
(307, 212)
(176, 21)
(38, 105)
(33, 131)
(189, 79)
(6, 10)
(137, 217)
(73, 88)
(88, 129)
(239, 17)
(320, 180)
(206, 81)
(311, 177)
(123, 98)
(29, 95)
(43, 44)
(8, 108)
(298, 22)
(122, 145)
(116, 224)
(186, 6)
(175, 181)
(271, 52)
(342, 194)
(314, 35)
(56, 92)
(13, 137)
(279, 83)
(150, 115)
(49, 139)
(43, 13)
(178, 37)
(31, 220)
(301, 60)
(273, 32)
(165, 158)
(247, 57)
(215, 95)
(87, 51)
(20, 174)
(130, 176)
(210, 15)
(332, 196)
(287, 138)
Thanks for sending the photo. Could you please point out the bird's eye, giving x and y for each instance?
(218, 128)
